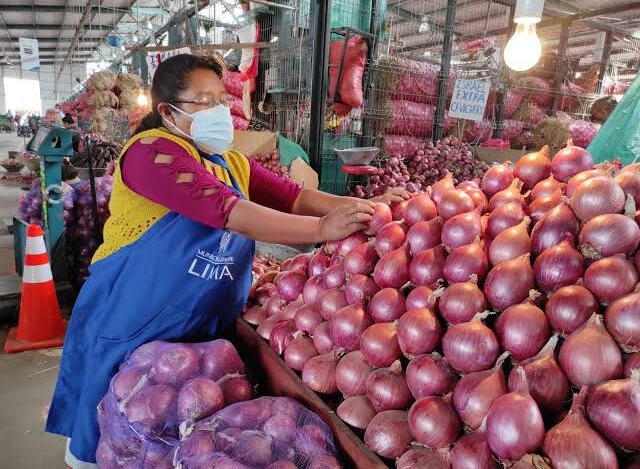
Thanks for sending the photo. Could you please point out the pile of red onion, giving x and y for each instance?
(465, 324)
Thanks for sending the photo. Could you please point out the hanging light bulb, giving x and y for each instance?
(148, 24)
(424, 25)
(123, 48)
(134, 38)
(523, 50)
(427, 53)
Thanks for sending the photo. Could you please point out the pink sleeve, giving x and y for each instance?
(157, 182)
(269, 189)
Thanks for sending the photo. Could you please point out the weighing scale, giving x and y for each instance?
(356, 163)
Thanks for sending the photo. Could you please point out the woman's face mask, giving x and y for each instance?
(211, 129)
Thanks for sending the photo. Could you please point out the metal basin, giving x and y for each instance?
(359, 156)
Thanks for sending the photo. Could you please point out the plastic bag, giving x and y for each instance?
(240, 123)
(582, 132)
(410, 118)
(160, 392)
(409, 80)
(402, 145)
(233, 83)
(477, 131)
(268, 432)
(350, 89)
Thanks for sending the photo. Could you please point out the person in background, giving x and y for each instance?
(69, 124)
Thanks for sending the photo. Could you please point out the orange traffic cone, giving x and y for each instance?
(40, 324)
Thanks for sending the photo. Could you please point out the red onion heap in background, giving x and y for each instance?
(455, 309)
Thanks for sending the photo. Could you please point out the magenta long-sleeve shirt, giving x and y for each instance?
(157, 182)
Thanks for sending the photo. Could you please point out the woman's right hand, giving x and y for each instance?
(346, 220)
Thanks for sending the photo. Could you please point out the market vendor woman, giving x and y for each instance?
(176, 259)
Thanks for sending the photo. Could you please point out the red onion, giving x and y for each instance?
(614, 409)
(419, 208)
(330, 302)
(509, 283)
(418, 332)
(424, 235)
(254, 315)
(553, 228)
(334, 276)
(579, 178)
(629, 181)
(496, 178)
(480, 201)
(610, 278)
(282, 335)
(360, 260)
(542, 205)
(357, 411)
(265, 292)
(454, 202)
(307, 318)
(570, 307)
(470, 346)
(290, 310)
(299, 352)
(391, 236)
(318, 264)
(319, 373)
(387, 305)
(266, 326)
(548, 385)
(590, 355)
(475, 392)
(360, 288)
(387, 389)
(322, 338)
(381, 216)
(606, 235)
(379, 344)
(531, 461)
(510, 243)
(504, 217)
(388, 433)
(546, 187)
(392, 270)
(313, 290)
(352, 373)
(427, 267)
(347, 326)
(472, 452)
(508, 195)
(430, 375)
(460, 302)
(274, 305)
(533, 167)
(514, 423)
(421, 297)
(421, 457)
(466, 263)
(632, 363)
(350, 242)
(433, 422)
(622, 320)
(522, 330)
(461, 229)
(441, 187)
(597, 196)
(570, 161)
(558, 266)
(331, 246)
(397, 209)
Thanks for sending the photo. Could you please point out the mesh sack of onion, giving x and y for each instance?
(159, 393)
(455, 330)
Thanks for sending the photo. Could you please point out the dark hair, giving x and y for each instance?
(170, 79)
(67, 119)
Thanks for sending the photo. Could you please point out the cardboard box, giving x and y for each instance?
(496, 155)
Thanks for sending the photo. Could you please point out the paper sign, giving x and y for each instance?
(469, 99)
(156, 58)
(29, 54)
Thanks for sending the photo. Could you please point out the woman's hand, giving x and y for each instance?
(346, 220)
(393, 194)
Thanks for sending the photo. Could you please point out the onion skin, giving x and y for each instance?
(610, 278)
(461, 229)
(433, 422)
(553, 227)
(470, 346)
(392, 270)
(542, 205)
(387, 305)
(557, 267)
(629, 181)
(347, 327)
(453, 203)
(313, 289)
(356, 411)
(480, 201)
(307, 318)
(597, 196)
(331, 301)
(350, 242)
(606, 235)
(318, 264)
(319, 373)
(531, 461)
(632, 363)
(360, 289)
(419, 208)
(388, 433)
(546, 187)
(622, 320)
(441, 187)
(387, 389)
(360, 260)
(379, 344)
(575, 181)
(508, 195)
(573, 443)
(254, 315)
(569, 308)
(397, 209)
(475, 392)
(548, 385)
(424, 235)
(504, 217)
(419, 332)
(496, 178)
(510, 243)
(509, 283)
(390, 237)
(430, 375)
(334, 276)
(298, 352)
(514, 424)
(460, 302)
(570, 161)
(421, 297)
(352, 372)
(421, 457)
(427, 267)
(381, 216)
(322, 338)
(533, 168)
(472, 452)
(465, 262)
(590, 355)
(281, 335)
(522, 330)
(614, 409)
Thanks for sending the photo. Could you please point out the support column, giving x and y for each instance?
(445, 66)
(560, 67)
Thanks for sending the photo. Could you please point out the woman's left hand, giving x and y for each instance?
(393, 194)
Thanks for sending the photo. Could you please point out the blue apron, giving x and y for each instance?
(180, 281)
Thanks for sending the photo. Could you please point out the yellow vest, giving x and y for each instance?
(132, 214)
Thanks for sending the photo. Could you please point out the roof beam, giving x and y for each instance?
(57, 27)
(86, 15)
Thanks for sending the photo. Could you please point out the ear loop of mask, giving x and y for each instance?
(175, 126)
